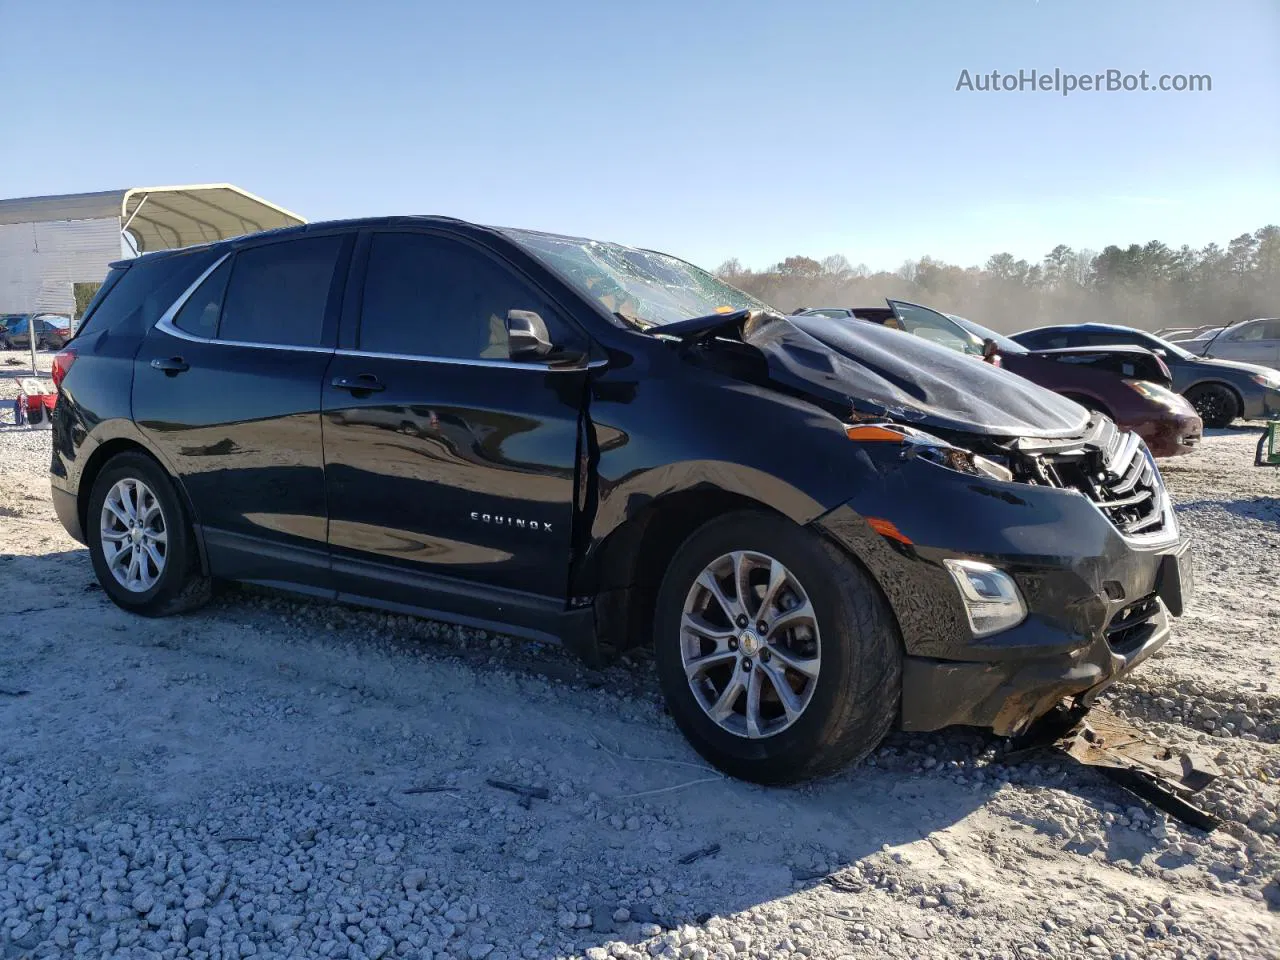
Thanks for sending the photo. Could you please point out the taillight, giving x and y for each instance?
(62, 362)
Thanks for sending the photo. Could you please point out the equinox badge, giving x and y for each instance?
(511, 521)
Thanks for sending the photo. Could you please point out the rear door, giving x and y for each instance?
(450, 468)
(227, 386)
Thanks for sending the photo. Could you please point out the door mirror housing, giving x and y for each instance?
(527, 336)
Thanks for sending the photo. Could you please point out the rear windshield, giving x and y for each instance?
(135, 294)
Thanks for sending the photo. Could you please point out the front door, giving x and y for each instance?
(228, 389)
(450, 468)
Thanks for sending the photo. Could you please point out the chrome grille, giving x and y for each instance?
(1130, 492)
(1120, 477)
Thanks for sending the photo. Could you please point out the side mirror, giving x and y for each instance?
(989, 348)
(527, 337)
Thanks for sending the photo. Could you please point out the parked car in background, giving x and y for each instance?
(1219, 390)
(1128, 384)
(5, 320)
(52, 331)
(1250, 341)
(1181, 334)
(822, 529)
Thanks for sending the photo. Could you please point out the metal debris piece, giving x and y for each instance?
(710, 850)
(13, 693)
(1161, 775)
(428, 788)
(527, 793)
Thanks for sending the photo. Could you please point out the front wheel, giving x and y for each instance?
(140, 541)
(1215, 403)
(777, 654)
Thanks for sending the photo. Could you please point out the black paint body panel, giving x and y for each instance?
(513, 497)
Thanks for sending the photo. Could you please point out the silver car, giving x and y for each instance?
(1252, 341)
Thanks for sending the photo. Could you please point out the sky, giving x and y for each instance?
(708, 129)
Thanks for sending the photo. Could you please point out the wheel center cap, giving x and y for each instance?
(135, 534)
(748, 643)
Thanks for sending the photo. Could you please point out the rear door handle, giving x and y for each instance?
(365, 383)
(172, 366)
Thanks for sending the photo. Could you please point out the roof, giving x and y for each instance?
(160, 217)
(1087, 327)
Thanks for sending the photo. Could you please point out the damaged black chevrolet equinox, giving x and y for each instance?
(823, 529)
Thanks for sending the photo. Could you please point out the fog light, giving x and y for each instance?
(991, 598)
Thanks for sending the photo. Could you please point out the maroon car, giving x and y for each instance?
(1128, 384)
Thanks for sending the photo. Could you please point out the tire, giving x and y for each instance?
(845, 711)
(1216, 404)
(179, 585)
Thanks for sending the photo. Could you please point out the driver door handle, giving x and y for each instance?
(365, 383)
(171, 366)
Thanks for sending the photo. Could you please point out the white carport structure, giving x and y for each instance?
(50, 244)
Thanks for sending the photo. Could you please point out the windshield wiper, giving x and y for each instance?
(703, 328)
(633, 321)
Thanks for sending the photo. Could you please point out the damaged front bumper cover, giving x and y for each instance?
(1098, 602)
(1008, 696)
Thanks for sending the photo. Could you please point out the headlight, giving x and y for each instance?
(1155, 393)
(917, 443)
(1269, 380)
(992, 601)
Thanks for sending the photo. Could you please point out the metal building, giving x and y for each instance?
(50, 244)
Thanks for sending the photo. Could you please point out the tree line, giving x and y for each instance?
(1142, 285)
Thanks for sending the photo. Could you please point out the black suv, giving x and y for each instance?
(823, 529)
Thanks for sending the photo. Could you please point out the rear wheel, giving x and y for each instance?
(777, 654)
(140, 540)
(1216, 404)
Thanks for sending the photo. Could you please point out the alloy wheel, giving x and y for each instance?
(1211, 406)
(135, 538)
(750, 644)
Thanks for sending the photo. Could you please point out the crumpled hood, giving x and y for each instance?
(876, 369)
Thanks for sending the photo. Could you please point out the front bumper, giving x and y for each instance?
(1170, 435)
(1098, 603)
(1261, 403)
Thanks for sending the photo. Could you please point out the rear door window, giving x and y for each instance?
(199, 315)
(278, 293)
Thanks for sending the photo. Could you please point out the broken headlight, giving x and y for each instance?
(917, 443)
(964, 461)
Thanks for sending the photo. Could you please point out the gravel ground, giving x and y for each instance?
(271, 777)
